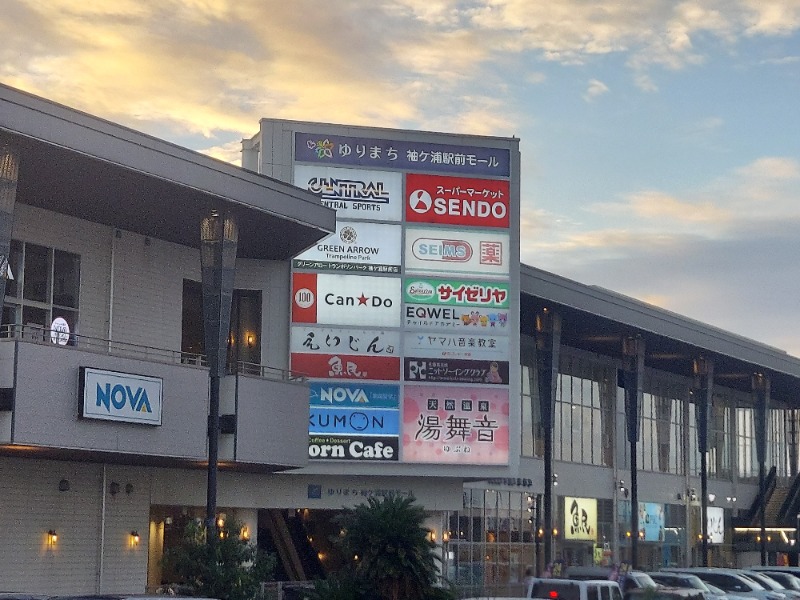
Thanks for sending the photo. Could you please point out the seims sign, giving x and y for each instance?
(115, 396)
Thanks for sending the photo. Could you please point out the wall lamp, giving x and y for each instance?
(134, 538)
(244, 534)
(52, 537)
(730, 499)
(622, 489)
(555, 479)
(113, 488)
(712, 497)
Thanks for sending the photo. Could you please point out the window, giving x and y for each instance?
(44, 286)
(245, 329)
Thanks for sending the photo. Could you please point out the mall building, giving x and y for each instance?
(383, 340)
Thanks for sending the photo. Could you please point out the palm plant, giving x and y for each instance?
(390, 547)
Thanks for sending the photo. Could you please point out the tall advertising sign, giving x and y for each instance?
(405, 318)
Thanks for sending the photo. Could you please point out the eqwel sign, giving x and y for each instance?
(115, 396)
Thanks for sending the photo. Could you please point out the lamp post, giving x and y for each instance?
(219, 236)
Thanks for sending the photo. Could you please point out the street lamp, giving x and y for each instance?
(218, 239)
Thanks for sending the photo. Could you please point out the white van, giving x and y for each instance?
(568, 589)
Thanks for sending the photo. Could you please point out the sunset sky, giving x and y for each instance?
(660, 139)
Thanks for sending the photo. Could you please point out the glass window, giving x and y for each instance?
(45, 287)
(245, 327)
(583, 429)
(36, 272)
(66, 279)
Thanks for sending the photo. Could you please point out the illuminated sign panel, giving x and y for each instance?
(457, 201)
(355, 194)
(356, 248)
(114, 396)
(345, 299)
(354, 421)
(456, 345)
(334, 366)
(411, 305)
(580, 519)
(365, 395)
(314, 339)
(455, 370)
(453, 318)
(375, 153)
(651, 522)
(478, 252)
(467, 425)
(456, 292)
(353, 447)
(715, 518)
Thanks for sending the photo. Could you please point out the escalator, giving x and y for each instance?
(287, 535)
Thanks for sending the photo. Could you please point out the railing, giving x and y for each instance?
(37, 334)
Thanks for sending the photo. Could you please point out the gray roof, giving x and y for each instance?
(90, 168)
(596, 319)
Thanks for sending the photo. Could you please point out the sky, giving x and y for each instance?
(659, 139)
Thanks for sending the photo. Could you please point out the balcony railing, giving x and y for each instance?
(37, 334)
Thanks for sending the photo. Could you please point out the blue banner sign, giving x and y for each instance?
(340, 395)
(379, 421)
(320, 148)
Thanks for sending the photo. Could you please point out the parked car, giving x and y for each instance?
(685, 580)
(764, 578)
(788, 580)
(732, 581)
(663, 593)
(567, 589)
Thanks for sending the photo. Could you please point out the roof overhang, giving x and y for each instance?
(597, 320)
(79, 165)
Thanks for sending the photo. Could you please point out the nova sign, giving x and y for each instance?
(113, 396)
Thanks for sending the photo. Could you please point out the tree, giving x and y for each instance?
(229, 569)
(391, 549)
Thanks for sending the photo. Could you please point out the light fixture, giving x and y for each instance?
(129, 488)
(432, 535)
(445, 536)
(555, 479)
(63, 485)
(134, 538)
(244, 534)
(712, 497)
(221, 520)
(113, 488)
(730, 499)
(251, 340)
(52, 537)
(622, 489)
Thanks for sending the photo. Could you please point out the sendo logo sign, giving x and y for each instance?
(114, 396)
(457, 201)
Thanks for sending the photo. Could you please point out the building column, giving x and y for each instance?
(548, 343)
(704, 387)
(632, 379)
(760, 390)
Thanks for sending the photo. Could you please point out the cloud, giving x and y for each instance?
(595, 89)
(214, 67)
(711, 253)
